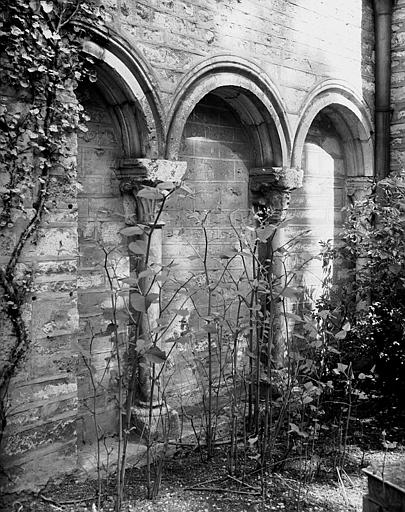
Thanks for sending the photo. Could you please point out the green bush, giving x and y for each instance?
(370, 297)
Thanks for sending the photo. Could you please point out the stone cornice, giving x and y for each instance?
(152, 170)
(282, 178)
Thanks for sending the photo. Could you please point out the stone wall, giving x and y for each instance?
(278, 59)
(398, 88)
(40, 439)
(297, 43)
(99, 222)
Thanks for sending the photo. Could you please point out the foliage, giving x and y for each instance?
(41, 64)
(369, 297)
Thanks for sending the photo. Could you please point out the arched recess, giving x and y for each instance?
(350, 118)
(226, 119)
(125, 124)
(333, 146)
(130, 90)
(244, 87)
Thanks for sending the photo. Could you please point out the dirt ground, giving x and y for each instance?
(192, 485)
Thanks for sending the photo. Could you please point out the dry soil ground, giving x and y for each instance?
(192, 485)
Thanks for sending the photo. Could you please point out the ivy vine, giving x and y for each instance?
(41, 65)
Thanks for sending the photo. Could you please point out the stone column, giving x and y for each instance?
(270, 190)
(134, 175)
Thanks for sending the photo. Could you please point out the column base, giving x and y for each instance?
(162, 424)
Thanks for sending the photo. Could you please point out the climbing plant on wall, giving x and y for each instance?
(41, 65)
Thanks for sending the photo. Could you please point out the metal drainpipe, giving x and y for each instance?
(383, 19)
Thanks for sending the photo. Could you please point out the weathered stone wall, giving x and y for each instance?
(398, 88)
(294, 46)
(297, 43)
(40, 438)
(99, 222)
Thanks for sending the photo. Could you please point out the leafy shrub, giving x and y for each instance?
(370, 298)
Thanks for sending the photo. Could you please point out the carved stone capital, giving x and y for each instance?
(137, 173)
(270, 190)
(358, 187)
(283, 178)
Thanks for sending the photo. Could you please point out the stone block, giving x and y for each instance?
(206, 148)
(96, 162)
(105, 208)
(36, 413)
(54, 242)
(54, 317)
(17, 443)
(234, 196)
(91, 256)
(91, 302)
(90, 280)
(45, 269)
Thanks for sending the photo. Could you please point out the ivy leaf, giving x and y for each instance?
(295, 428)
(47, 7)
(341, 335)
(333, 350)
(341, 367)
(138, 247)
(229, 253)
(289, 293)
(150, 299)
(155, 355)
(146, 273)
(141, 344)
(138, 302)
(346, 327)
(264, 233)
(131, 231)
(47, 33)
(253, 440)
(15, 31)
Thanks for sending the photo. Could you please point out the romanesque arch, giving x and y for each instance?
(351, 119)
(249, 93)
(130, 89)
